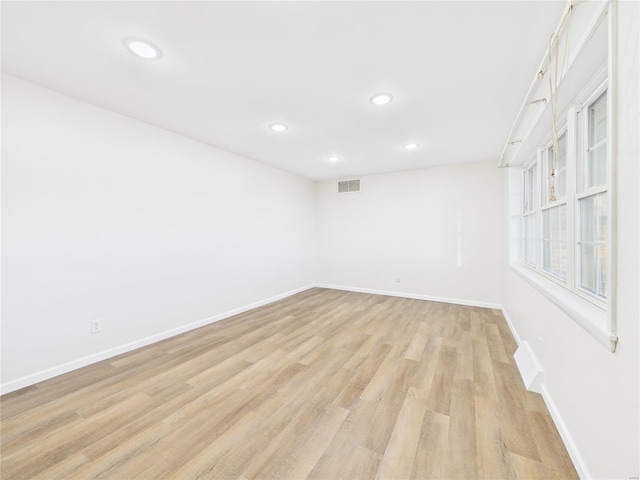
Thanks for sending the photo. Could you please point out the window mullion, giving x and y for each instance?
(572, 171)
(537, 202)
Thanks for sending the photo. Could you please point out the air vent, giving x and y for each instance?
(349, 186)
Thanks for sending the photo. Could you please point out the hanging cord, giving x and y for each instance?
(554, 81)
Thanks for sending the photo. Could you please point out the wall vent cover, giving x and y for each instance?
(349, 186)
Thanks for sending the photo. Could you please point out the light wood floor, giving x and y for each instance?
(325, 384)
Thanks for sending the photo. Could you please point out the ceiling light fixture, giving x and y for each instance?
(411, 146)
(142, 48)
(333, 158)
(381, 98)
(278, 127)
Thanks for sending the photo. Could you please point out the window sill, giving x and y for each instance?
(588, 316)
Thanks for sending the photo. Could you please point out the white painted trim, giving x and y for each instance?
(112, 352)
(588, 316)
(567, 439)
(511, 326)
(415, 296)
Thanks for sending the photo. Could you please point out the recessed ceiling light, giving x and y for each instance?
(278, 127)
(143, 48)
(411, 146)
(381, 98)
(333, 158)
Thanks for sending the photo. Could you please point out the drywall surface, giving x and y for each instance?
(435, 232)
(596, 392)
(105, 217)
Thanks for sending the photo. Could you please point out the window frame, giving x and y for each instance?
(594, 313)
(581, 192)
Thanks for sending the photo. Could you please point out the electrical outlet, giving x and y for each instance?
(96, 326)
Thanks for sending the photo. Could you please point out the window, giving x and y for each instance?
(560, 175)
(554, 210)
(565, 214)
(596, 158)
(530, 189)
(554, 241)
(562, 203)
(530, 239)
(593, 204)
(592, 244)
(530, 224)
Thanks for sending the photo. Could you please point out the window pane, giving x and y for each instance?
(593, 244)
(598, 120)
(546, 173)
(530, 189)
(554, 241)
(588, 267)
(596, 171)
(561, 167)
(601, 270)
(561, 171)
(587, 216)
(529, 239)
(602, 207)
(546, 240)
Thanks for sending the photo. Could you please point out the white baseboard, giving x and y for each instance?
(511, 327)
(415, 296)
(112, 352)
(567, 439)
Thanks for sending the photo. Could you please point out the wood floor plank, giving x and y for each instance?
(427, 364)
(418, 342)
(388, 405)
(51, 449)
(492, 452)
(494, 342)
(513, 418)
(484, 379)
(304, 441)
(347, 461)
(401, 449)
(548, 441)
(462, 431)
(66, 468)
(325, 384)
(432, 453)
(441, 385)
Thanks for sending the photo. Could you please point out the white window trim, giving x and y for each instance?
(593, 319)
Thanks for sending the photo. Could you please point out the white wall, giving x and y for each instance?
(438, 230)
(107, 217)
(595, 392)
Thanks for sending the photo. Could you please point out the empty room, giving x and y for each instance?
(325, 239)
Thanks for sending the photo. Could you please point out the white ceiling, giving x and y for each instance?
(458, 72)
